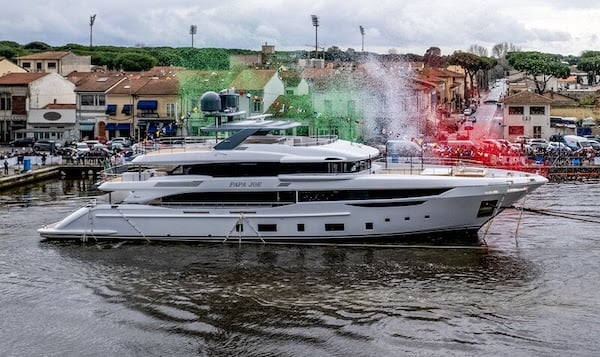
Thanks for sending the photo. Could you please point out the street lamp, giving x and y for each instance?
(362, 34)
(193, 29)
(315, 22)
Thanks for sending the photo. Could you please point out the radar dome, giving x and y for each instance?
(210, 102)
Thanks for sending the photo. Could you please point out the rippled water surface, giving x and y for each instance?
(533, 295)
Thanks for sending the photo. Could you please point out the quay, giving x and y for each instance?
(17, 176)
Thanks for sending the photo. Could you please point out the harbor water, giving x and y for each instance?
(531, 290)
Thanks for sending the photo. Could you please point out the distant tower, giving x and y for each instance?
(315, 22)
(193, 29)
(92, 20)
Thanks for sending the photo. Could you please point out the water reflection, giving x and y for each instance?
(537, 298)
(48, 191)
(233, 297)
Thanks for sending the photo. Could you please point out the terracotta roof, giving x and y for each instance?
(99, 82)
(20, 78)
(77, 77)
(527, 98)
(162, 71)
(568, 79)
(290, 78)
(129, 86)
(441, 72)
(160, 86)
(51, 55)
(253, 79)
(312, 72)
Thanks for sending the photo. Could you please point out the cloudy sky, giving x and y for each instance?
(553, 26)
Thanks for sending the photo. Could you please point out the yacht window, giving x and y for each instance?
(330, 227)
(369, 225)
(300, 227)
(267, 227)
(229, 197)
(236, 169)
(341, 195)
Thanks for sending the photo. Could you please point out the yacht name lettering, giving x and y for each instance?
(245, 184)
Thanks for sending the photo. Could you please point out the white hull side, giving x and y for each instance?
(320, 221)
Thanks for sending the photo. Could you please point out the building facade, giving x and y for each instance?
(23, 96)
(61, 62)
(526, 114)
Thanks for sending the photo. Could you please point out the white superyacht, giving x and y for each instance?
(264, 184)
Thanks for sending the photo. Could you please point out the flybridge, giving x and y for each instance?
(225, 105)
(246, 128)
(259, 124)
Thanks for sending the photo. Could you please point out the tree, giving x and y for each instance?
(433, 57)
(483, 75)
(501, 49)
(135, 62)
(540, 67)
(590, 62)
(471, 63)
(8, 52)
(37, 46)
(478, 50)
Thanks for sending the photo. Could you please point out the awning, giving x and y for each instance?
(111, 109)
(123, 126)
(147, 104)
(86, 127)
(110, 126)
(126, 109)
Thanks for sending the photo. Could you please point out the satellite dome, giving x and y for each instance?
(210, 102)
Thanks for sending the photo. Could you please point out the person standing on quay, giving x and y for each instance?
(5, 166)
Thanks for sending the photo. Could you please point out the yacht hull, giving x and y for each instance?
(459, 214)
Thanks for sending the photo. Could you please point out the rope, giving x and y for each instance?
(89, 220)
(132, 225)
(519, 222)
(567, 215)
(241, 220)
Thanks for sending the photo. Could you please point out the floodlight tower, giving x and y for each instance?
(92, 20)
(193, 30)
(315, 22)
(362, 34)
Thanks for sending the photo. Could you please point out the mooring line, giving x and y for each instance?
(567, 215)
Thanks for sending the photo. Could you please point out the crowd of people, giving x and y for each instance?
(98, 155)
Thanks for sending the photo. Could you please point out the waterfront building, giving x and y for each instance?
(25, 96)
(61, 62)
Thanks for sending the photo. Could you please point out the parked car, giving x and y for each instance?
(595, 145)
(468, 111)
(46, 145)
(22, 142)
(558, 147)
(577, 142)
(82, 148)
(122, 140)
(119, 143)
(537, 144)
